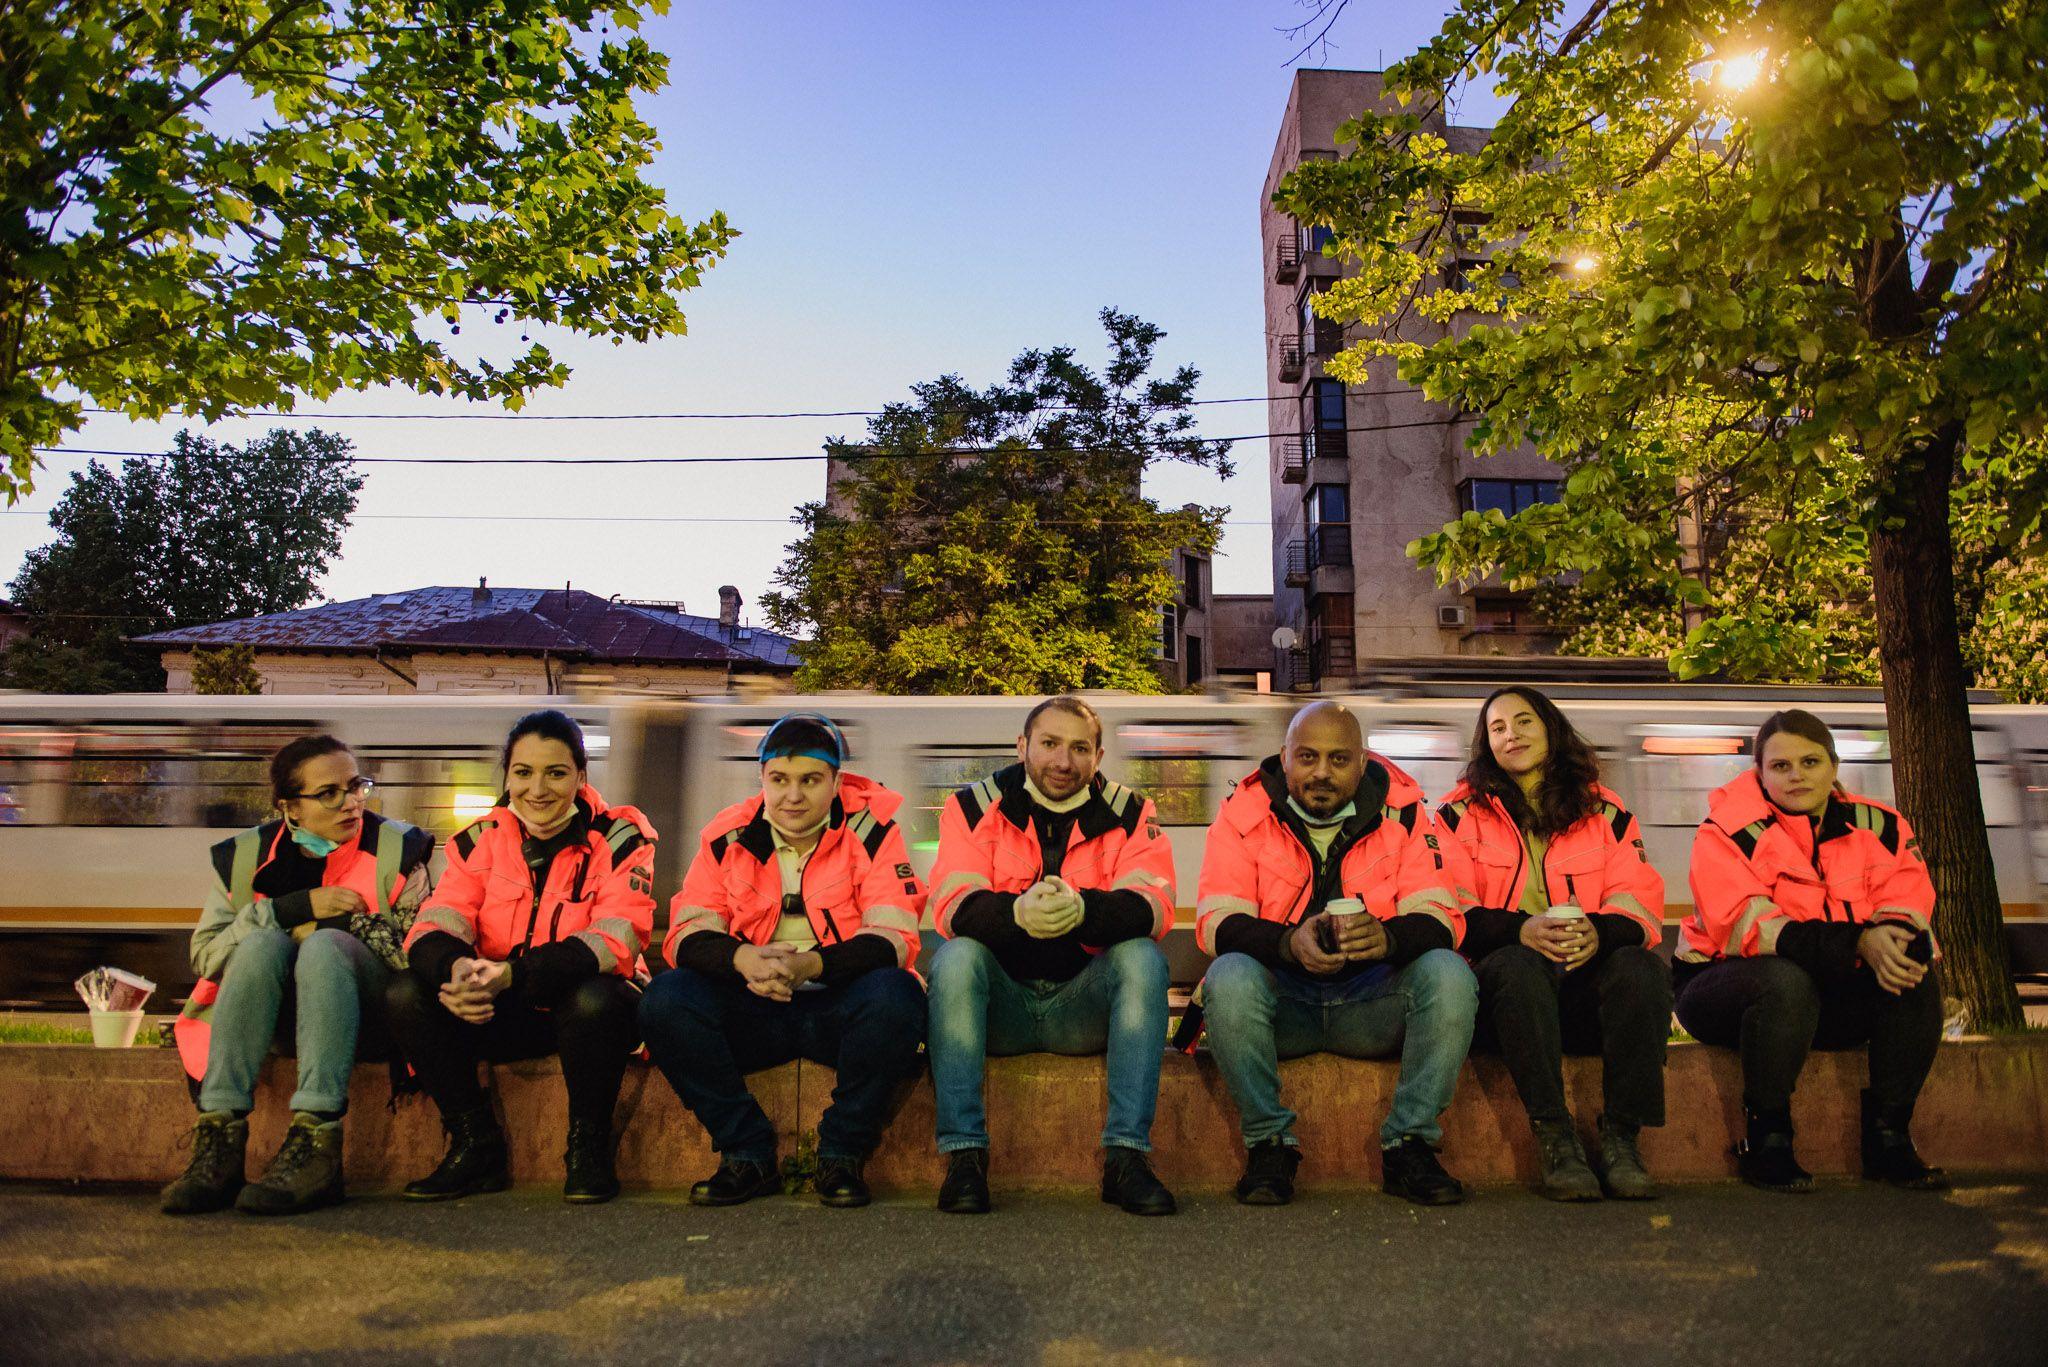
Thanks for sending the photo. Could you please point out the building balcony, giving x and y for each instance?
(1290, 359)
(1287, 259)
(1326, 339)
(1294, 460)
(1297, 564)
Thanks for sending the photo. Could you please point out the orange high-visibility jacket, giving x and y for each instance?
(599, 890)
(385, 865)
(858, 881)
(1254, 865)
(987, 844)
(1756, 870)
(1597, 865)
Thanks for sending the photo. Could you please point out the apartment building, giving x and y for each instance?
(1359, 471)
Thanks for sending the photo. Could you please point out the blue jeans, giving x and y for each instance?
(336, 981)
(707, 1034)
(1117, 1003)
(1258, 1016)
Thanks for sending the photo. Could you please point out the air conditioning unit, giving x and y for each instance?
(1453, 615)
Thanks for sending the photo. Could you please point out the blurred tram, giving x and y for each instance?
(108, 804)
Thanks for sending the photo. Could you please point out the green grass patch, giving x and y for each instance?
(40, 1032)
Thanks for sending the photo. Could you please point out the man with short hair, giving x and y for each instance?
(1300, 967)
(793, 937)
(1053, 887)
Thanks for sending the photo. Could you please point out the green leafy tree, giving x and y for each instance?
(997, 540)
(220, 205)
(210, 531)
(229, 670)
(1790, 252)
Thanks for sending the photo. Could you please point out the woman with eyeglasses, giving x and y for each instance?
(302, 926)
(530, 947)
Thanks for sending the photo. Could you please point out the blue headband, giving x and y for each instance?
(815, 737)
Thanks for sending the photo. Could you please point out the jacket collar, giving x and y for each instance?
(1369, 802)
(1092, 818)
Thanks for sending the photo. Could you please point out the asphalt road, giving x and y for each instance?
(1709, 1274)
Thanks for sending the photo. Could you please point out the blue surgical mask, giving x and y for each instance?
(317, 846)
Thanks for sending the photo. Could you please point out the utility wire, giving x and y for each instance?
(852, 453)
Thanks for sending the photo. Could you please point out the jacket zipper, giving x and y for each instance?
(824, 916)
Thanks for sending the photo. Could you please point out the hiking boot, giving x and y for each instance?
(1764, 1157)
(840, 1184)
(305, 1175)
(1561, 1163)
(965, 1190)
(1268, 1173)
(1622, 1174)
(735, 1181)
(1128, 1181)
(591, 1177)
(1888, 1152)
(475, 1161)
(220, 1146)
(1410, 1170)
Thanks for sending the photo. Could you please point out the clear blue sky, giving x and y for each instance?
(922, 189)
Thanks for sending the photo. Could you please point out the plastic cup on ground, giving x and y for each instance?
(115, 1029)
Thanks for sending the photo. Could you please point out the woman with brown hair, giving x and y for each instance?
(1565, 919)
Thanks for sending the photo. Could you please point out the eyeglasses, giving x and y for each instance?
(332, 798)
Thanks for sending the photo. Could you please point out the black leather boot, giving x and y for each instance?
(592, 1177)
(1764, 1157)
(1888, 1152)
(1128, 1181)
(965, 1190)
(475, 1160)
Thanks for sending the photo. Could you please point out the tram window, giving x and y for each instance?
(940, 771)
(440, 791)
(1184, 768)
(214, 776)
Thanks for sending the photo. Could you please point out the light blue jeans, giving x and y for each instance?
(1423, 1010)
(1117, 1004)
(335, 980)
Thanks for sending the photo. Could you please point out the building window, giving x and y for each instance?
(1191, 580)
(1315, 238)
(1169, 632)
(1328, 503)
(1194, 660)
(1496, 615)
(1322, 406)
(1510, 496)
(1319, 336)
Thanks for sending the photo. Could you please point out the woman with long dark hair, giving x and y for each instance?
(1811, 925)
(302, 925)
(529, 947)
(1566, 915)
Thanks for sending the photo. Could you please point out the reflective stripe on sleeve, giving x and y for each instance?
(1212, 912)
(620, 929)
(1906, 914)
(953, 890)
(1630, 907)
(690, 920)
(1758, 908)
(606, 960)
(1430, 902)
(448, 919)
(889, 918)
(1152, 888)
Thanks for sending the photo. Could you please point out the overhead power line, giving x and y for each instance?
(297, 416)
(767, 459)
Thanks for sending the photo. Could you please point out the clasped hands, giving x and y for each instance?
(1048, 909)
(473, 984)
(1883, 947)
(776, 970)
(1568, 940)
(1359, 937)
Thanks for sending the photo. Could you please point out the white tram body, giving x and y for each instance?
(109, 804)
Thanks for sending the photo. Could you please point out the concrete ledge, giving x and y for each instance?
(78, 1113)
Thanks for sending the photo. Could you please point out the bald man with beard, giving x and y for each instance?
(1301, 968)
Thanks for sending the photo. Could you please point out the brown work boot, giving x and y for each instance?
(220, 1146)
(305, 1175)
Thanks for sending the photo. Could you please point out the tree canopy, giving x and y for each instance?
(221, 205)
(1784, 261)
(209, 532)
(997, 540)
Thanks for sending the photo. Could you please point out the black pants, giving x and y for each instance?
(1774, 1011)
(593, 1027)
(1618, 1006)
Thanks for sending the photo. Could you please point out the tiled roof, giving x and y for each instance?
(564, 622)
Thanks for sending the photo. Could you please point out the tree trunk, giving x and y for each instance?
(1933, 760)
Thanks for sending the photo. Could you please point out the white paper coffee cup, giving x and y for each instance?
(1344, 906)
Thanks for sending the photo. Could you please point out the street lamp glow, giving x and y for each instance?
(1740, 73)
(1585, 263)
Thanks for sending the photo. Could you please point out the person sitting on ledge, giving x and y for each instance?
(1812, 927)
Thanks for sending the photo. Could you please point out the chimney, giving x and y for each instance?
(728, 606)
(481, 594)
